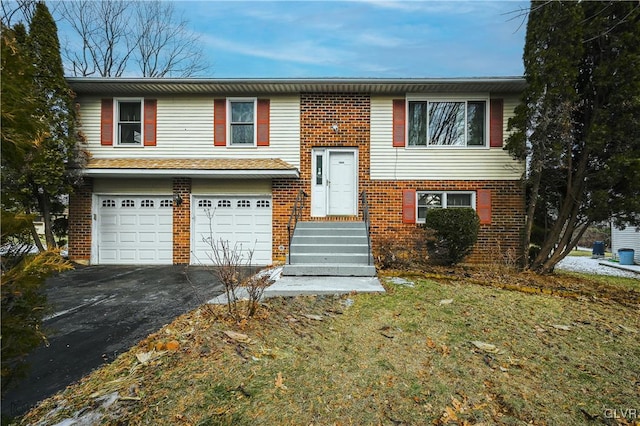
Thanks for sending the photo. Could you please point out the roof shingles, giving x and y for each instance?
(190, 164)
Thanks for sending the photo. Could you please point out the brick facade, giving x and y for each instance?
(182, 222)
(80, 223)
(351, 113)
(496, 241)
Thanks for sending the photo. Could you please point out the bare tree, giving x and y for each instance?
(112, 38)
(17, 11)
(105, 37)
(165, 45)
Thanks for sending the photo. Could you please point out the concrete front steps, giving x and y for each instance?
(330, 249)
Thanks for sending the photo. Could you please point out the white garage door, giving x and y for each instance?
(242, 221)
(135, 229)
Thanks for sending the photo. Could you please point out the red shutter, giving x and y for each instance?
(263, 122)
(408, 206)
(399, 118)
(220, 122)
(106, 122)
(483, 206)
(150, 110)
(495, 127)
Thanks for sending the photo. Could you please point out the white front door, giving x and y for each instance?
(334, 186)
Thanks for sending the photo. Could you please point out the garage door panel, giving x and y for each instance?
(109, 220)
(225, 219)
(126, 254)
(108, 254)
(127, 237)
(165, 220)
(242, 221)
(128, 219)
(148, 221)
(108, 237)
(147, 237)
(263, 220)
(133, 229)
(166, 238)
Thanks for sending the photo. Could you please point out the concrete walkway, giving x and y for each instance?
(298, 286)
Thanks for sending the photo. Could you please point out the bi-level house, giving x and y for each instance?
(175, 162)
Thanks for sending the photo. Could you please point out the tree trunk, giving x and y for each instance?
(36, 238)
(45, 210)
(562, 231)
(536, 175)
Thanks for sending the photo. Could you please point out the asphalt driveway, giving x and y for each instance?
(99, 312)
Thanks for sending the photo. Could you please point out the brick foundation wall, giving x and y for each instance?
(498, 241)
(182, 222)
(351, 113)
(80, 222)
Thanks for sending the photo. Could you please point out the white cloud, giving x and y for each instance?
(380, 40)
(302, 51)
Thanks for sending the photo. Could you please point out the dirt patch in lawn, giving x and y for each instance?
(434, 349)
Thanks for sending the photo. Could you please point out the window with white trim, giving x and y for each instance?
(242, 121)
(449, 122)
(442, 200)
(128, 114)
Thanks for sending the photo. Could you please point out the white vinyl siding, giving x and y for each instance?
(628, 237)
(435, 163)
(132, 186)
(230, 187)
(185, 130)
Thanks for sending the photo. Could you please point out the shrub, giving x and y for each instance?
(22, 294)
(456, 231)
(402, 251)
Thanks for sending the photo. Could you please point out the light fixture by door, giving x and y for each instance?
(334, 128)
(177, 199)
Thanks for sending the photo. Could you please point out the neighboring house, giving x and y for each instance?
(174, 161)
(629, 237)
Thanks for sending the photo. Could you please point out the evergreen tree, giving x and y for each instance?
(22, 135)
(578, 126)
(51, 166)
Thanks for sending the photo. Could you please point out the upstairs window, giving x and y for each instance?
(129, 122)
(447, 122)
(242, 126)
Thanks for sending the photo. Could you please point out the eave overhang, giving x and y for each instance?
(231, 168)
(257, 87)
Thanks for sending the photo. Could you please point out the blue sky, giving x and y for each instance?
(366, 38)
(360, 38)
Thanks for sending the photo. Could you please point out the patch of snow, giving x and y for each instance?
(591, 266)
(401, 281)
